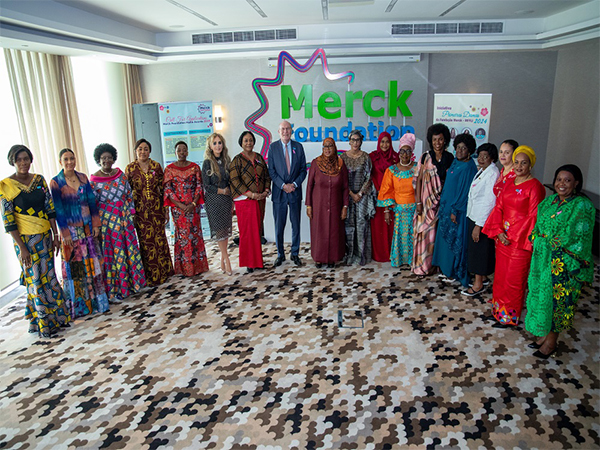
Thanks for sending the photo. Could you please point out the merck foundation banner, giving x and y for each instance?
(464, 113)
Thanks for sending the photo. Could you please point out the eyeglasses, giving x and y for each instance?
(407, 151)
(107, 158)
(354, 140)
(328, 146)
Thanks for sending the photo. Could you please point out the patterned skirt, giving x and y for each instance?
(402, 242)
(46, 308)
(83, 280)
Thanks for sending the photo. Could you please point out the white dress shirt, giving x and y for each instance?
(481, 195)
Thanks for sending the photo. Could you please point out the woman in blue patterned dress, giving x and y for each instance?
(122, 260)
(29, 216)
(77, 216)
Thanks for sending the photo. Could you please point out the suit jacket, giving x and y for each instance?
(279, 175)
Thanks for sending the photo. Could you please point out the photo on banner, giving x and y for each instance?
(191, 122)
(464, 113)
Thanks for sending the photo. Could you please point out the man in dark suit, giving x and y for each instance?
(287, 168)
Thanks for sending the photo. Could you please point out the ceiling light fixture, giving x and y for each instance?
(391, 6)
(456, 5)
(325, 8)
(191, 11)
(257, 8)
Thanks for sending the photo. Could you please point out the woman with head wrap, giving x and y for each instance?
(450, 251)
(381, 231)
(431, 174)
(397, 194)
(510, 223)
(562, 259)
(327, 201)
(362, 202)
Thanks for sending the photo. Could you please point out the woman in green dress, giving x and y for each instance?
(562, 259)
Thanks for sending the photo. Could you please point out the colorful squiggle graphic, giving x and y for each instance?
(258, 83)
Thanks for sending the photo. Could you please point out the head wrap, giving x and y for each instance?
(407, 139)
(528, 151)
(329, 165)
(382, 160)
(573, 170)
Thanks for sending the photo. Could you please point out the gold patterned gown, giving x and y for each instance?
(150, 218)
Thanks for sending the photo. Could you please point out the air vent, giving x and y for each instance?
(286, 34)
(408, 29)
(264, 35)
(464, 28)
(222, 37)
(402, 28)
(446, 28)
(492, 27)
(243, 36)
(424, 28)
(205, 38)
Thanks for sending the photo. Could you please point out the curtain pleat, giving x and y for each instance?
(133, 95)
(44, 96)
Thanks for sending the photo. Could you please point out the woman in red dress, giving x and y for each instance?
(382, 233)
(510, 223)
(183, 193)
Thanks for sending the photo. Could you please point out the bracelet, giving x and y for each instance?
(419, 203)
(194, 203)
(386, 211)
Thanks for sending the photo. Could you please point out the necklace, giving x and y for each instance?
(405, 165)
(107, 173)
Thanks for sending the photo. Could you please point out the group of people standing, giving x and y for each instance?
(442, 213)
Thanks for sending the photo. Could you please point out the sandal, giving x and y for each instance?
(471, 293)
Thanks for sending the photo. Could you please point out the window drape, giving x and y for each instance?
(133, 95)
(44, 97)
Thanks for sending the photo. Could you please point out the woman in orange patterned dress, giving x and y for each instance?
(145, 177)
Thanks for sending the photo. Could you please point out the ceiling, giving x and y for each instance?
(147, 31)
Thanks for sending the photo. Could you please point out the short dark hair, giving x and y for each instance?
(142, 141)
(573, 170)
(514, 144)
(244, 133)
(466, 139)
(435, 129)
(179, 143)
(15, 150)
(491, 149)
(63, 151)
(104, 148)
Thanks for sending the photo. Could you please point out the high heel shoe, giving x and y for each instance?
(534, 345)
(223, 265)
(228, 270)
(539, 354)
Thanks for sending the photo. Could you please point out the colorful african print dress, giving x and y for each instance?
(122, 260)
(82, 263)
(358, 222)
(561, 263)
(184, 184)
(150, 219)
(28, 209)
(514, 214)
(398, 193)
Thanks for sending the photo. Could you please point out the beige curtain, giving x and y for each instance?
(133, 95)
(42, 88)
